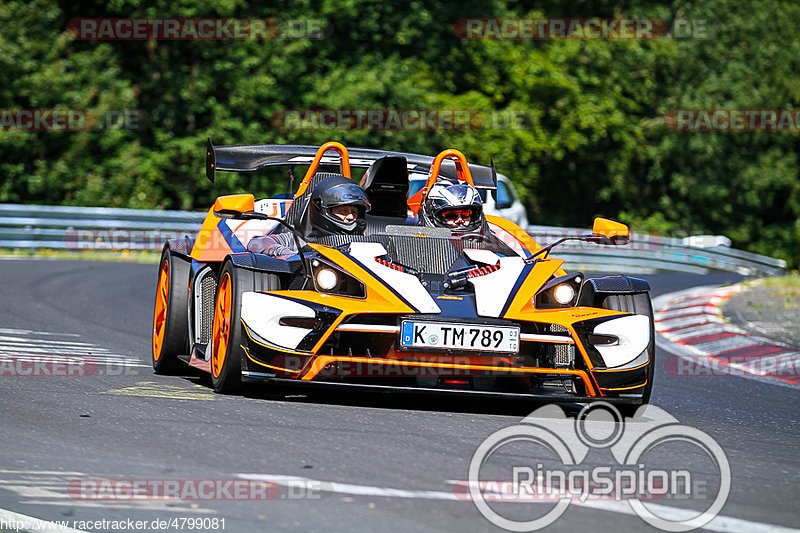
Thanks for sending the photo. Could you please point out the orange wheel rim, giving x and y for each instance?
(160, 311)
(222, 325)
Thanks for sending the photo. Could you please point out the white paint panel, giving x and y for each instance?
(262, 312)
(492, 290)
(633, 332)
(407, 285)
(487, 257)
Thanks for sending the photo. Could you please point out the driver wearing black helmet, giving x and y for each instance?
(337, 205)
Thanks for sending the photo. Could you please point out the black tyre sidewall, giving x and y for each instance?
(176, 324)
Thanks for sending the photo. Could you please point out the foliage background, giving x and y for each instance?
(595, 141)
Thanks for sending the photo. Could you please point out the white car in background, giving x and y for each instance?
(507, 204)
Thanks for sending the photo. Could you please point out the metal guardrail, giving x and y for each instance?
(648, 253)
(101, 228)
(96, 228)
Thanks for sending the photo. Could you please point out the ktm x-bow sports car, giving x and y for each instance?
(403, 307)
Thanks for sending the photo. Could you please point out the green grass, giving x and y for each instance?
(782, 291)
(792, 280)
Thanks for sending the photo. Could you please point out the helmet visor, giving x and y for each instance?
(460, 216)
(345, 194)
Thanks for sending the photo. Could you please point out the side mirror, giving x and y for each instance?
(606, 231)
(234, 205)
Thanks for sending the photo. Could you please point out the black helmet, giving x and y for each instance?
(334, 192)
(446, 199)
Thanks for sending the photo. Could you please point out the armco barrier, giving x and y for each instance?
(101, 228)
(648, 253)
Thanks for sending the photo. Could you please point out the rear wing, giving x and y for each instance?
(249, 158)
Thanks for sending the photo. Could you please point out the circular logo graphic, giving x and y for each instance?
(598, 425)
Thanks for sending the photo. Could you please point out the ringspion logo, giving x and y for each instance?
(542, 461)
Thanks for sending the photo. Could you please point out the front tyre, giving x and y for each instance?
(226, 331)
(170, 313)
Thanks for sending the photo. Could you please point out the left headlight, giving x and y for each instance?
(330, 279)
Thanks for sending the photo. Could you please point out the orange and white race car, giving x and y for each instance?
(402, 307)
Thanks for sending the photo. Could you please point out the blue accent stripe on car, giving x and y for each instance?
(235, 244)
(513, 293)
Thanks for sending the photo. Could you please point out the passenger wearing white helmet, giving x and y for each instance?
(452, 205)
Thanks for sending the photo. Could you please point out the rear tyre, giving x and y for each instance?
(170, 313)
(639, 304)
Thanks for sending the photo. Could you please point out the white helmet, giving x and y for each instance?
(452, 205)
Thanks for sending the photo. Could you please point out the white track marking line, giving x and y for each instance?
(19, 344)
(721, 524)
(32, 332)
(28, 340)
(668, 312)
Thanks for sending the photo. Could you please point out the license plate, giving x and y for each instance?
(471, 337)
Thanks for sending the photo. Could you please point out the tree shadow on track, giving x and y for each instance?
(412, 401)
(391, 398)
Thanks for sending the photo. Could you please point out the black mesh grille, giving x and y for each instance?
(426, 254)
(335, 241)
(563, 355)
(207, 289)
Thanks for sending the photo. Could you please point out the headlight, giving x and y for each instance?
(559, 292)
(564, 293)
(331, 279)
(327, 279)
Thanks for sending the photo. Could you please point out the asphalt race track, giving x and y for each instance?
(73, 443)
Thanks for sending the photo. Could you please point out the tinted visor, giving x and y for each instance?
(345, 194)
(460, 216)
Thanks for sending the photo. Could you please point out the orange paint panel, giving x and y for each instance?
(210, 245)
(521, 306)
